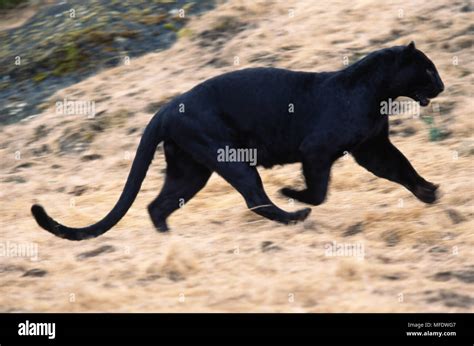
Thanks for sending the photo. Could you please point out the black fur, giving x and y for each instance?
(334, 112)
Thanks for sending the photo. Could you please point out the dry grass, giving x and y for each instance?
(215, 259)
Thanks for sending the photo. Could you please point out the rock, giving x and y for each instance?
(132, 130)
(393, 277)
(438, 249)
(145, 281)
(264, 58)
(465, 276)
(468, 7)
(100, 250)
(40, 132)
(455, 216)
(407, 131)
(452, 299)
(15, 179)
(42, 150)
(385, 260)
(23, 165)
(443, 276)
(391, 238)
(79, 190)
(396, 121)
(221, 30)
(10, 268)
(309, 225)
(91, 157)
(75, 142)
(175, 276)
(354, 229)
(268, 246)
(35, 273)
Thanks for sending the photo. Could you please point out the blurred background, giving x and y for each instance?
(371, 247)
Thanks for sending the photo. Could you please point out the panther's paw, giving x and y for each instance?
(303, 196)
(290, 193)
(300, 215)
(426, 192)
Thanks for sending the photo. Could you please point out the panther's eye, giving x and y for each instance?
(431, 75)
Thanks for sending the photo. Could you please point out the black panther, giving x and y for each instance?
(287, 117)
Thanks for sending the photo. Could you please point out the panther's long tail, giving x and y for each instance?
(152, 136)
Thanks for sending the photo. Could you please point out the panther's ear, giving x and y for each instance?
(408, 53)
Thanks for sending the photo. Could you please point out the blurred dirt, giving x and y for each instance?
(220, 256)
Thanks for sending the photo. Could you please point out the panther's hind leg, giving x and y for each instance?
(184, 178)
(246, 180)
(204, 143)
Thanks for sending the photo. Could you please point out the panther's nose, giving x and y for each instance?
(441, 87)
(440, 84)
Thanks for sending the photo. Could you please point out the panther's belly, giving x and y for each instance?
(270, 155)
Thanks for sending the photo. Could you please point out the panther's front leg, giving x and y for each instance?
(383, 159)
(317, 180)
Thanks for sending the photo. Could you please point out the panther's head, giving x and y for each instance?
(417, 76)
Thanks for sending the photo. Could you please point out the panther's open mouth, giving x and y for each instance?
(423, 100)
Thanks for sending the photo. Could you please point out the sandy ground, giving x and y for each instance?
(219, 256)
